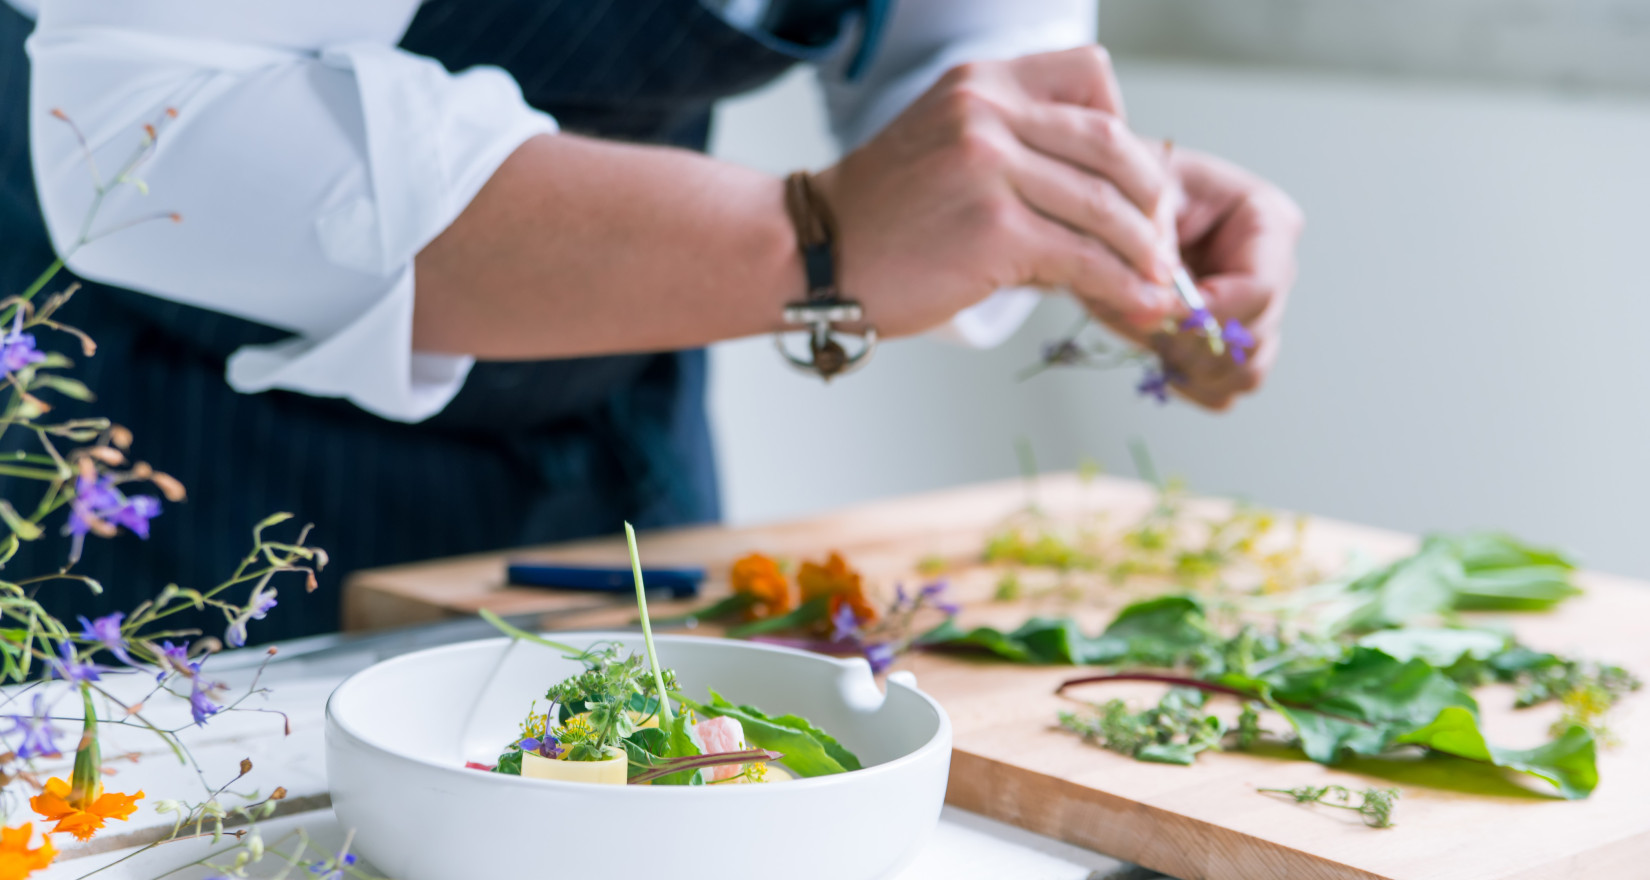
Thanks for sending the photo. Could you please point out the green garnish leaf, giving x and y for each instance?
(1568, 762)
(808, 750)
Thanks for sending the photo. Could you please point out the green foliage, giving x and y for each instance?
(1172, 732)
(1158, 631)
(808, 750)
(1385, 676)
(1568, 762)
(1479, 571)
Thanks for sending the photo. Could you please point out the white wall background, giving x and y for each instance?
(1466, 346)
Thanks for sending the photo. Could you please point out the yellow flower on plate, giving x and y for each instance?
(17, 859)
(84, 818)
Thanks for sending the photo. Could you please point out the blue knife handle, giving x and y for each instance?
(682, 583)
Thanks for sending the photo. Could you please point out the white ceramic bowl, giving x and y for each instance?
(398, 735)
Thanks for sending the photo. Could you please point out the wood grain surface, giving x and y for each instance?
(1457, 820)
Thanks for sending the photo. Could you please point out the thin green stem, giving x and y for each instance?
(665, 714)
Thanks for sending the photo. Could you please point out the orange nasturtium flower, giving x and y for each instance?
(839, 584)
(84, 818)
(17, 859)
(759, 577)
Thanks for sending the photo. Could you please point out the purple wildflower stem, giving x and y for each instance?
(699, 762)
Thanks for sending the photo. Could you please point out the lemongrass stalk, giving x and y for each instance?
(665, 716)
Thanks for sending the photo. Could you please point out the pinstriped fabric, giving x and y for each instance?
(527, 452)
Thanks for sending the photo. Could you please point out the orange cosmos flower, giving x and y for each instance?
(759, 577)
(840, 584)
(17, 860)
(85, 818)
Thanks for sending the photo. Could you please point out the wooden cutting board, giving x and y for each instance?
(1456, 820)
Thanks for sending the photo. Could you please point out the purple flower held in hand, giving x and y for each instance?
(1155, 383)
(880, 655)
(68, 669)
(935, 594)
(844, 624)
(37, 733)
(1199, 319)
(106, 632)
(1239, 340)
(201, 705)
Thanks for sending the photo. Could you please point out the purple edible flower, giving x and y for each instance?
(257, 608)
(70, 670)
(935, 595)
(1155, 383)
(1199, 319)
(17, 351)
(98, 499)
(900, 598)
(17, 348)
(201, 706)
(548, 747)
(333, 869)
(1065, 352)
(37, 733)
(106, 632)
(173, 657)
(1239, 340)
(844, 623)
(880, 655)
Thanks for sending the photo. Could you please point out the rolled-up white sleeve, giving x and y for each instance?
(925, 38)
(308, 158)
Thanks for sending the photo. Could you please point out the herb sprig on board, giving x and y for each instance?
(1374, 805)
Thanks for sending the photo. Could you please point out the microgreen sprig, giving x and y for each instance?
(1374, 805)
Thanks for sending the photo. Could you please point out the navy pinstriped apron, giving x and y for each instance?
(527, 452)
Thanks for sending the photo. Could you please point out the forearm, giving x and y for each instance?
(582, 247)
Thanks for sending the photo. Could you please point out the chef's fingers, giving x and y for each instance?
(1100, 143)
(1094, 206)
(1082, 76)
(1097, 276)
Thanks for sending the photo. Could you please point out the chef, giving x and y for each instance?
(443, 273)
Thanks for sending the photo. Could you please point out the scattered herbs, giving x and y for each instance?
(1389, 675)
(1374, 805)
(1172, 732)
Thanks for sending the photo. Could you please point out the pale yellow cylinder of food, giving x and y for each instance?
(612, 771)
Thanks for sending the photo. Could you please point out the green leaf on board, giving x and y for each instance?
(1159, 631)
(1568, 762)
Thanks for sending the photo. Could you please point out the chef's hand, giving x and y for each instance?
(1006, 174)
(1237, 236)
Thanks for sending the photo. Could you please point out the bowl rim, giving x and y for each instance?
(940, 741)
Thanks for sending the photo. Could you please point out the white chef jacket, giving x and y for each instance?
(311, 159)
